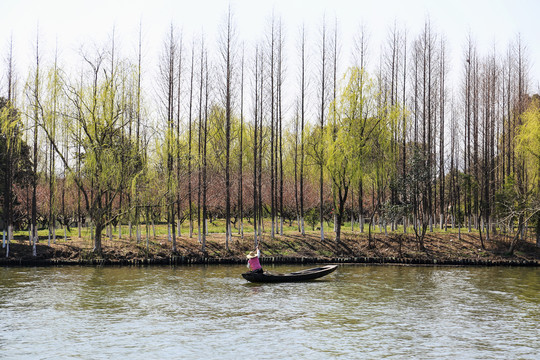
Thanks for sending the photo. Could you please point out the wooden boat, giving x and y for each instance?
(302, 275)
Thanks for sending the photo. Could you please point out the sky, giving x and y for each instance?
(72, 24)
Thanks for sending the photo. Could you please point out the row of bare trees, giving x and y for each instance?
(240, 134)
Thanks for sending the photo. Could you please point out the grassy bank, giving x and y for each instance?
(440, 245)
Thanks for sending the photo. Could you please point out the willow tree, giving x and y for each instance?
(528, 144)
(15, 165)
(352, 136)
(102, 141)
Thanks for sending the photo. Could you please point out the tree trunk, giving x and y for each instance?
(97, 238)
(338, 228)
(9, 235)
(538, 232)
(404, 224)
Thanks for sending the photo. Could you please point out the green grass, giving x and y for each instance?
(218, 227)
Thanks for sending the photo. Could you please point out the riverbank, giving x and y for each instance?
(292, 247)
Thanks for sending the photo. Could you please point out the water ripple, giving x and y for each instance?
(367, 312)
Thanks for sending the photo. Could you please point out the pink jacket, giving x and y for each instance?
(253, 263)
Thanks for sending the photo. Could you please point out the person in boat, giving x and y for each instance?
(253, 261)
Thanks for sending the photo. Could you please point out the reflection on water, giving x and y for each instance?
(212, 312)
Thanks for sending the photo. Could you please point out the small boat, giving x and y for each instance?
(302, 275)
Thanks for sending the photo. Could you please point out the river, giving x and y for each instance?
(211, 312)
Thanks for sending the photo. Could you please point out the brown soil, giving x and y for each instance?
(438, 246)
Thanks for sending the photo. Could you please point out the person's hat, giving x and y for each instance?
(252, 255)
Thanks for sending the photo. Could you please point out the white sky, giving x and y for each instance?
(73, 23)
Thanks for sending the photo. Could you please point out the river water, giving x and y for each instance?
(211, 312)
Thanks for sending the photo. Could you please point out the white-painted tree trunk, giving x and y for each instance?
(488, 229)
(255, 239)
(9, 237)
(35, 238)
(482, 224)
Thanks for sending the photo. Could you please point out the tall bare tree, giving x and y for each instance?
(303, 122)
(360, 56)
(241, 150)
(204, 152)
(178, 133)
(323, 98)
(10, 153)
(273, 148)
(168, 75)
(279, 86)
(256, 149)
(442, 109)
(35, 109)
(227, 45)
(190, 139)
(200, 134)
